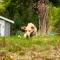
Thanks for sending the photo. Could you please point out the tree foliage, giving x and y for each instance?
(54, 18)
(55, 2)
(24, 11)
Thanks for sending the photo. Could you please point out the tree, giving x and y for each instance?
(24, 11)
(55, 2)
(42, 9)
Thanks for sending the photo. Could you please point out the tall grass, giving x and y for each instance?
(13, 43)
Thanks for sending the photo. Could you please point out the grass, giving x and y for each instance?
(14, 42)
(23, 46)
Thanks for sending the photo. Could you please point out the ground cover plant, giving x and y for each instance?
(35, 48)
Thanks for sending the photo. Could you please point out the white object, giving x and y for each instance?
(5, 25)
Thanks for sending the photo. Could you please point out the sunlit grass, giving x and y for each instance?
(13, 43)
(45, 45)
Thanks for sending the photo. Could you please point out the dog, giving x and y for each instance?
(30, 30)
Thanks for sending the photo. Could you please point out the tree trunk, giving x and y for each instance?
(43, 21)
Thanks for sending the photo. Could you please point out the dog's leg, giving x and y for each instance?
(27, 34)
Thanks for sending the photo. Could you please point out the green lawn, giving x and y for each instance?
(35, 48)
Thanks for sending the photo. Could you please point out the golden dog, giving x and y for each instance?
(30, 30)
